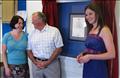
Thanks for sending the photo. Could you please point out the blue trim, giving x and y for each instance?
(21, 5)
(5, 28)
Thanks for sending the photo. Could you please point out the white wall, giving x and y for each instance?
(117, 13)
(32, 6)
(70, 68)
(0, 40)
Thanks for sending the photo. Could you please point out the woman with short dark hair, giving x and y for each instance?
(14, 54)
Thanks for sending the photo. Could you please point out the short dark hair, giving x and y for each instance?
(15, 20)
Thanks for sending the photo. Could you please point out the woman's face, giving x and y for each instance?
(90, 16)
(19, 25)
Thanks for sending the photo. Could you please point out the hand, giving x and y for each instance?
(84, 59)
(80, 55)
(45, 63)
(39, 64)
(8, 71)
(42, 64)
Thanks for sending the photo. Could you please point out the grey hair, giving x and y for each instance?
(41, 16)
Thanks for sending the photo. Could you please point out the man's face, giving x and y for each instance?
(36, 21)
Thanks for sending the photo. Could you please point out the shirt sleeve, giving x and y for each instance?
(29, 47)
(58, 39)
(5, 39)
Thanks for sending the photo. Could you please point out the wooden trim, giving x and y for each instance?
(16, 6)
(9, 9)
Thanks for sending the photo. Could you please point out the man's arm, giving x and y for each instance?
(55, 54)
(52, 58)
(30, 55)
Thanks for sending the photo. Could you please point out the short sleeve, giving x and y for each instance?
(29, 47)
(26, 35)
(58, 39)
(4, 39)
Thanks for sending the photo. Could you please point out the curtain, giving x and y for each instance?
(108, 9)
(50, 9)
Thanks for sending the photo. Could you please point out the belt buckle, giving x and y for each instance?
(43, 59)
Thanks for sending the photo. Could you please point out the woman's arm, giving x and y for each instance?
(109, 44)
(4, 59)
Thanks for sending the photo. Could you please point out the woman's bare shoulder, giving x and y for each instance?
(106, 32)
(106, 29)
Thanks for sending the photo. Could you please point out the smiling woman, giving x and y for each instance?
(99, 44)
(14, 55)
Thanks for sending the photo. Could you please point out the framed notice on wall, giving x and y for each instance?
(78, 29)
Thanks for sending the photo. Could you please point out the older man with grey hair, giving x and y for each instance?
(44, 46)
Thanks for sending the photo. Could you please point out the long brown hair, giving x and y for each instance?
(94, 7)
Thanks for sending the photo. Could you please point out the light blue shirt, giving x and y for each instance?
(16, 49)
